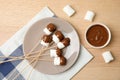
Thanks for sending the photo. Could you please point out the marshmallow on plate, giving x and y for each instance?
(46, 40)
(60, 60)
(55, 52)
(64, 43)
(49, 29)
(107, 56)
(69, 10)
(58, 36)
(89, 16)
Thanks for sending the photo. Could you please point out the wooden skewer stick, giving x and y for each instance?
(32, 70)
(46, 60)
(10, 60)
(37, 59)
(32, 48)
(14, 57)
(28, 55)
(45, 49)
(10, 56)
(35, 65)
(17, 58)
(26, 66)
(50, 48)
(23, 69)
(20, 58)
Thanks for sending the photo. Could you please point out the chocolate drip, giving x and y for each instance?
(51, 27)
(59, 35)
(63, 60)
(66, 41)
(59, 52)
(47, 38)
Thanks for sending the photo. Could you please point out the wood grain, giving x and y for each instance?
(16, 13)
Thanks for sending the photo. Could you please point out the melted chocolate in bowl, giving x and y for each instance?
(97, 35)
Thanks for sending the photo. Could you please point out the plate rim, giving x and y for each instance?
(75, 60)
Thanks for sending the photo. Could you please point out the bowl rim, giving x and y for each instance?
(109, 35)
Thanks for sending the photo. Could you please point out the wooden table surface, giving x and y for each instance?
(16, 13)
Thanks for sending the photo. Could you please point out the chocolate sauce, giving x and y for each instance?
(66, 41)
(97, 35)
(47, 38)
(51, 27)
(63, 60)
(59, 52)
(59, 35)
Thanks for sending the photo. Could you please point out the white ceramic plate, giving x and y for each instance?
(34, 35)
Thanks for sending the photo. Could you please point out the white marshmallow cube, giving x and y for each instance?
(55, 38)
(57, 61)
(46, 31)
(44, 43)
(89, 16)
(107, 56)
(60, 45)
(53, 53)
(69, 10)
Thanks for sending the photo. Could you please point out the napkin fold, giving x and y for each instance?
(14, 47)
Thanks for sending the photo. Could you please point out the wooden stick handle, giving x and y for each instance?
(23, 69)
(27, 55)
(27, 65)
(11, 57)
(32, 70)
(49, 60)
(10, 60)
(51, 47)
(37, 59)
(33, 58)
